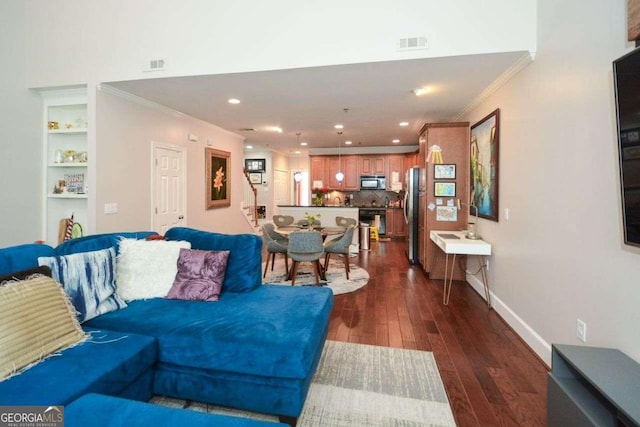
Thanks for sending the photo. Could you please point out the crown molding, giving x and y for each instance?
(526, 59)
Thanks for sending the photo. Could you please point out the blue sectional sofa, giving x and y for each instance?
(255, 349)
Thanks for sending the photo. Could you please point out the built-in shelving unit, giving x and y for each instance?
(65, 160)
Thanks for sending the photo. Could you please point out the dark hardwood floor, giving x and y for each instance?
(491, 377)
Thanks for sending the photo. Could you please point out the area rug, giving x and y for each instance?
(336, 278)
(363, 385)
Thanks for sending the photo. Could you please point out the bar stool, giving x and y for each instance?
(373, 232)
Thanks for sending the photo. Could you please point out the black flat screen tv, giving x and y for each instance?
(626, 74)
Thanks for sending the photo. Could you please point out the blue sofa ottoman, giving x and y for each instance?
(114, 363)
(105, 411)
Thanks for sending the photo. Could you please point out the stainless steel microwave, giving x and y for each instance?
(373, 182)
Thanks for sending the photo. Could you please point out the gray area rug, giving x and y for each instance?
(336, 277)
(363, 385)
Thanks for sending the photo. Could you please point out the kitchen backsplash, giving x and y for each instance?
(366, 198)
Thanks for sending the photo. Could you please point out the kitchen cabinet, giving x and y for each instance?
(351, 176)
(317, 170)
(453, 139)
(411, 160)
(332, 166)
(395, 168)
(396, 226)
(373, 165)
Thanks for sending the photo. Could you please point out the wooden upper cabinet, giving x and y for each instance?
(395, 163)
(332, 166)
(372, 165)
(351, 176)
(317, 168)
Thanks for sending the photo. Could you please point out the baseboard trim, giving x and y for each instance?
(526, 332)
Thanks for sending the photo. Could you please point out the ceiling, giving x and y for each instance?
(369, 99)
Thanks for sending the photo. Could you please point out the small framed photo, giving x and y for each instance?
(446, 213)
(444, 189)
(255, 165)
(255, 178)
(444, 171)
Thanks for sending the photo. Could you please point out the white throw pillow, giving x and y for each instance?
(147, 269)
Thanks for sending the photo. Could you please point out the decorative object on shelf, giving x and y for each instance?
(311, 219)
(68, 126)
(81, 157)
(75, 182)
(60, 187)
(485, 137)
(218, 178)
(53, 125)
(255, 165)
(319, 193)
(444, 189)
(69, 156)
(58, 156)
(434, 155)
(255, 178)
(444, 171)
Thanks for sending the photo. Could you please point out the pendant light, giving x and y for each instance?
(339, 175)
(297, 175)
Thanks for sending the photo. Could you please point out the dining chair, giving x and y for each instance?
(282, 220)
(276, 244)
(345, 222)
(306, 246)
(340, 246)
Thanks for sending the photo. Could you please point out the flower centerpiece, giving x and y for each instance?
(311, 219)
(318, 194)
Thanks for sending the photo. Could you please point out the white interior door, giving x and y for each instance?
(281, 189)
(168, 207)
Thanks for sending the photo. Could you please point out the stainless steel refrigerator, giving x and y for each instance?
(412, 213)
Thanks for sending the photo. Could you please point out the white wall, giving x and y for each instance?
(76, 41)
(560, 256)
(125, 130)
(21, 121)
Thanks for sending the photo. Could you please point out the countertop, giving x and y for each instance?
(336, 206)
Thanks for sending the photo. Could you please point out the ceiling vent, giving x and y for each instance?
(412, 43)
(246, 130)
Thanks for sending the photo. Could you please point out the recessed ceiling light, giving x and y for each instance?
(297, 151)
(304, 144)
(339, 126)
(396, 141)
(421, 91)
(404, 123)
(348, 143)
(233, 101)
(276, 129)
(248, 147)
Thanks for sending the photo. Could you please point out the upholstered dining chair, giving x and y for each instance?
(282, 220)
(346, 222)
(306, 246)
(340, 246)
(276, 244)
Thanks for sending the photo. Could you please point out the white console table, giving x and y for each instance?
(456, 243)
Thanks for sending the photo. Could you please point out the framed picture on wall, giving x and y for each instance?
(218, 178)
(444, 171)
(484, 160)
(255, 178)
(444, 189)
(255, 165)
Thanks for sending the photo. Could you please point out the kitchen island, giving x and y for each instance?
(328, 216)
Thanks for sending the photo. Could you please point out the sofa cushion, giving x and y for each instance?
(273, 331)
(25, 274)
(106, 363)
(89, 280)
(96, 242)
(147, 268)
(245, 255)
(200, 275)
(99, 410)
(36, 319)
(22, 257)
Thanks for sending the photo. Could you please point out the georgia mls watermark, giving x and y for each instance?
(31, 416)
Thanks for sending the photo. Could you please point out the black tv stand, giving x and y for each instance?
(590, 386)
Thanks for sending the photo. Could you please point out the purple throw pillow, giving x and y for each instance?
(200, 275)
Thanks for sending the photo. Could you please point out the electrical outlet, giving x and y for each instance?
(581, 330)
(110, 208)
